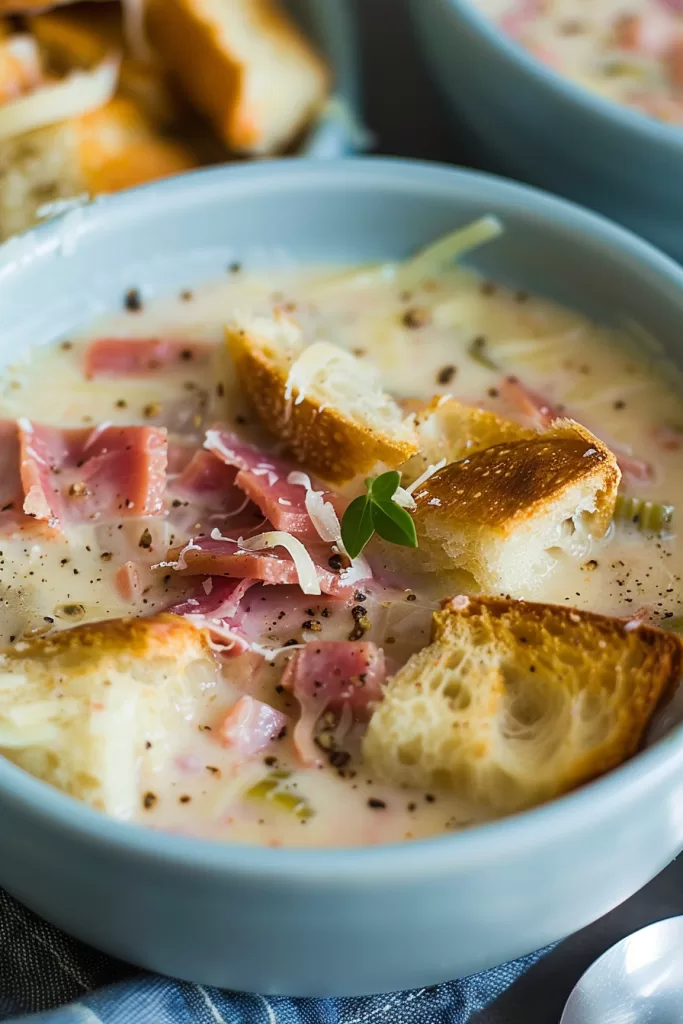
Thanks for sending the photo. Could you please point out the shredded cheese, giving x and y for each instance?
(78, 93)
(305, 567)
(271, 653)
(429, 471)
(322, 513)
(404, 499)
(315, 359)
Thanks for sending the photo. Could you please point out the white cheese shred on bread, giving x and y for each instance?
(505, 515)
(515, 703)
(84, 709)
(326, 405)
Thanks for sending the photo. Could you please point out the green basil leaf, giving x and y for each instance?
(383, 488)
(394, 524)
(356, 525)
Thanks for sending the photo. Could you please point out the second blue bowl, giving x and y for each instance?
(538, 126)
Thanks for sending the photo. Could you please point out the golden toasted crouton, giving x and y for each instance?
(515, 703)
(78, 37)
(111, 148)
(78, 709)
(449, 429)
(502, 514)
(244, 64)
(326, 405)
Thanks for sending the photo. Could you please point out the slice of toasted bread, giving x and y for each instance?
(111, 148)
(323, 402)
(515, 703)
(78, 709)
(502, 515)
(449, 429)
(244, 64)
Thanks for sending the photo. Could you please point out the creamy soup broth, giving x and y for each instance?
(422, 345)
(630, 51)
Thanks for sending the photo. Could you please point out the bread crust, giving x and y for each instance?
(332, 445)
(160, 636)
(514, 703)
(507, 485)
(197, 39)
(527, 628)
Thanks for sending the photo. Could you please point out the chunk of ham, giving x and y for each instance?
(127, 581)
(112, 358)
(212, 605)
(12, 515)
(82, 474)
(217, 597)
(332, 675)
(529, 403)
(251, 726)
(520, 16)
(337, 672)
(264, 479)
(649, 33)
(222, 556)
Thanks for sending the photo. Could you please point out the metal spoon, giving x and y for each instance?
(637, 981)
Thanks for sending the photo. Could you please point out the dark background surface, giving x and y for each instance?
(408, 118)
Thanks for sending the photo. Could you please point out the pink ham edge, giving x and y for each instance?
(119, 471)
(330, 675)
(113, 358)
(263, 478)
(251, 726)
(519, 17)
(12, 515)
(212, 605)
(127, 580)
(206, 556)
(218, 597)
(204, 474)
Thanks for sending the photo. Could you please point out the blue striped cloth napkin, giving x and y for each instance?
(48, 978)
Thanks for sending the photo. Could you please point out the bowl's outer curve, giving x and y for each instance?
(541, 127)
(328, 922)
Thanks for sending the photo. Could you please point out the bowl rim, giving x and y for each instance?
(649, 129)
(518, 833)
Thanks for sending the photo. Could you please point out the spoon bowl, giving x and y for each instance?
(638, 981)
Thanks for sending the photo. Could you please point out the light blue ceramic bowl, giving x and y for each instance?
(543, 128)
(326, 922)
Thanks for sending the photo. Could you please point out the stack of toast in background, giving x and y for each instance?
(104, 95)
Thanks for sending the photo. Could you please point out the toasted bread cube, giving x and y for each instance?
(77, 37)
(78, 709)
(244, 64)
(514, 703)
(108, 149)
(501, 515)
(449, 429)
(323, 402)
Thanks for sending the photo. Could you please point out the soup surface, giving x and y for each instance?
(630, 51)
(456, 334)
